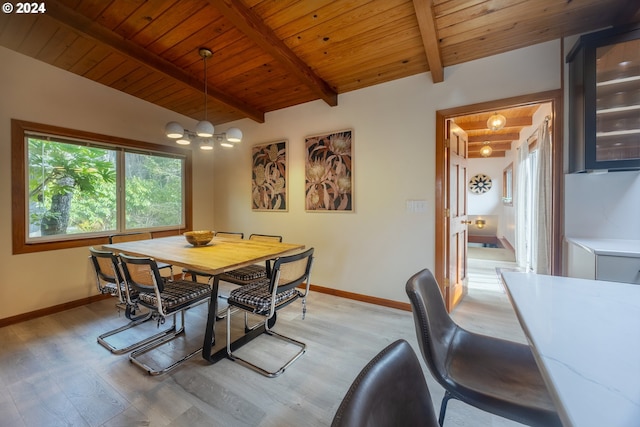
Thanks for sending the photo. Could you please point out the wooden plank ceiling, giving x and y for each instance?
(475, 125)
(271, 54)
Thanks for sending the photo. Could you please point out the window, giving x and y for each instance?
(507, 185)
(74, 188)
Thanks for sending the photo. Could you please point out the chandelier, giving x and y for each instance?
(205, 132)
(486, 149)
(496, 122)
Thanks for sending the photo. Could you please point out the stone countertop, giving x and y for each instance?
(614, 247)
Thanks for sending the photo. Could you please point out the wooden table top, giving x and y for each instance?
(219, 256)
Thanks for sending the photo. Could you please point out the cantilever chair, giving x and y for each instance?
(109, 281)
(494, 375)
(195, 274)
(390, 391)
(267, 297)
(255, 272)
(143, 235)
(164, 298)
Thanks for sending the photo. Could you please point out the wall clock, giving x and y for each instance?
(480, 184)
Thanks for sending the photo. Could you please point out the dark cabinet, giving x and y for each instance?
(604, 101)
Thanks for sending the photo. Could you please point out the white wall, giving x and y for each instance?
(372, 251)
(37, 92)
(605, 206)
(376, 249)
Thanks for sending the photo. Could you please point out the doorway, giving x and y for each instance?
(445, 264)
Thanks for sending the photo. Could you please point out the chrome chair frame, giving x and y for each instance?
(110, 281)
(142, 274)
(269, 291)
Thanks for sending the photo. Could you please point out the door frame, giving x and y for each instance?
(557, 199)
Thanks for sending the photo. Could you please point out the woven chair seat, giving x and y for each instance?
(257, 296)
(249, 273)
(177, 294)
(111, 289)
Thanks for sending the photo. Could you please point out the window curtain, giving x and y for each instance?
(542, 204)
(522, 196)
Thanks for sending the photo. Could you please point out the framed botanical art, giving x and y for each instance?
(329, 172)
(269, 177)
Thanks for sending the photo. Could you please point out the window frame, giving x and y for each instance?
(507, 185)
(20, 129)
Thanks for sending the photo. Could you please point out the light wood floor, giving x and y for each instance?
(53, 372)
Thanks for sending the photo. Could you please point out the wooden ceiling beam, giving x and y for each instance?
(495, 137)
(482, 124)
(427, 24)
(506, 145)
(91, 29)
(255, 29)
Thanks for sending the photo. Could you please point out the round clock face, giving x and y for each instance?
(480, 184)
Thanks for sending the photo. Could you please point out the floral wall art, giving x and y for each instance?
(329, 172)
(269, 177)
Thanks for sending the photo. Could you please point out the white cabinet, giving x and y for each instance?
(604, 259)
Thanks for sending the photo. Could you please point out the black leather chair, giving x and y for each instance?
(390, 391)
(495, 375)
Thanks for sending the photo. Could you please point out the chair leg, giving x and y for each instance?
(134, 321)
(443, 407)
(133, 357)
(270, 374)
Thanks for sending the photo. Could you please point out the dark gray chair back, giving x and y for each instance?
(390, 391)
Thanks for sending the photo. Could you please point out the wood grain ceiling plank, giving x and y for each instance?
(275, 13)
(206, 36)
(42, 30)
(61, 40)
(382, 75)
(132, 79)
(90, 60)
(104, 67)
(16, 29)
(167, 22)
(92, 9)
(323, 16)
(142, 16)
(446, 7)
(369, 45)
(512, 136)
(142, 87)
(228, 70)
(523, 15)
(482, 124)
(348, 26)
(429, 33)
(500, 146)
(263, 36)
(74, 53)
(119, 73)
(155, 83)
(402, 55)
(138, 53)
(191, 25)
(117, 12)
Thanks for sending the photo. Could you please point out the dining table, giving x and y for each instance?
(221, 255)
(585, 337)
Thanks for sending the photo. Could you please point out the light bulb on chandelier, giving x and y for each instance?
(496, 122)
(486, 149)
(204, 129)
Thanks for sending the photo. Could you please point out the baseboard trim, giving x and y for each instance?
(51, 310)
(84, 301)
(364, 298)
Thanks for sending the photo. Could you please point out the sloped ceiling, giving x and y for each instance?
(271, 54)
